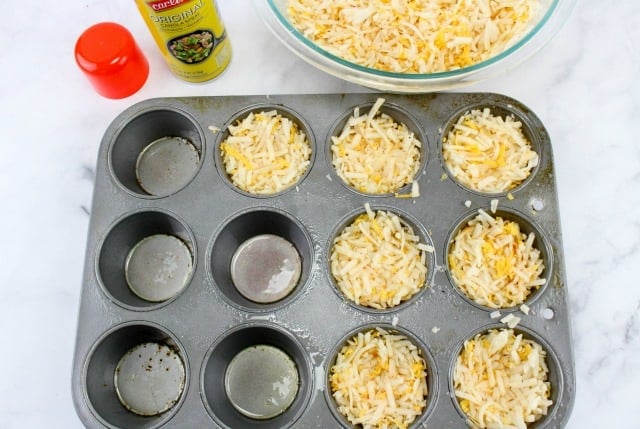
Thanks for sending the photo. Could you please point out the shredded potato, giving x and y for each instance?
(488, 153)
(406, 36)
(265, 153)
(495, 264)
(379, 380)
(500, 380)
(374, 154)
(377, 261)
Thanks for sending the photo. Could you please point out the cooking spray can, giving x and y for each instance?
(190, 35)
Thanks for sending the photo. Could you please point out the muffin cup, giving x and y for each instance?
(400, 116)
(223, 351)
(503, 110)
(122, 239)
(555, 376)
(527, 226)
(405, 220)
(235, 232)
(100, 369)
(136, 139)
(432, 373)
(285, 112)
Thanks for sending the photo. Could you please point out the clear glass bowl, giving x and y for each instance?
(552, 16)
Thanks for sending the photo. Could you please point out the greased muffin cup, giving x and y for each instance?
(156, 141)
(217, 315)
(109, 365)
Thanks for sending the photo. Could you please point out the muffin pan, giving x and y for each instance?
(212, 332)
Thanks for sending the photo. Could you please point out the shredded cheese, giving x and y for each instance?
(494, 206)
(376, 155)
(488, 153)
(379, 380)
(500, 380)
(510, 320)
(377, 261)
(265, 153)
(406, 36)
(495, 264)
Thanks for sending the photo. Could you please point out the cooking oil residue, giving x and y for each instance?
(261, 382)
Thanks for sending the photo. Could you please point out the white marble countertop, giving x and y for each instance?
(583, 85)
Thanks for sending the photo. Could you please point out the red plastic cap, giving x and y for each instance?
(109, 56)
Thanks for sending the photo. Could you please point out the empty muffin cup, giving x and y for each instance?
(157, 153)
(506, 286)
(135, 376)
(256, 375)
(167, 165)
(149, 378)
(158, 267)
(358, 170)
(146, 259)
(265, 268)
(261, 381)
(554, 376)
(260, 260)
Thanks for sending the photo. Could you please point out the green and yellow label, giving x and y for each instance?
(190, 35)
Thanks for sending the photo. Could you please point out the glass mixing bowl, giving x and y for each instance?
(550, 19)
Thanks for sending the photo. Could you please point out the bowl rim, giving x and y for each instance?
(442, 75)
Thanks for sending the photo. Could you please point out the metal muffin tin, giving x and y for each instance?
(208, 322)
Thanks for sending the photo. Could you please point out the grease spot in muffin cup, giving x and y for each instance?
(158, 267)
(256, 374)
(146, 260)
(265, 268)
(260, 259)
(136, 376)
(149, 378)
(167, 165)
(261, 381)
(157, 153)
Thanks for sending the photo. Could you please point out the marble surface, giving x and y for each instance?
(583, 85)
